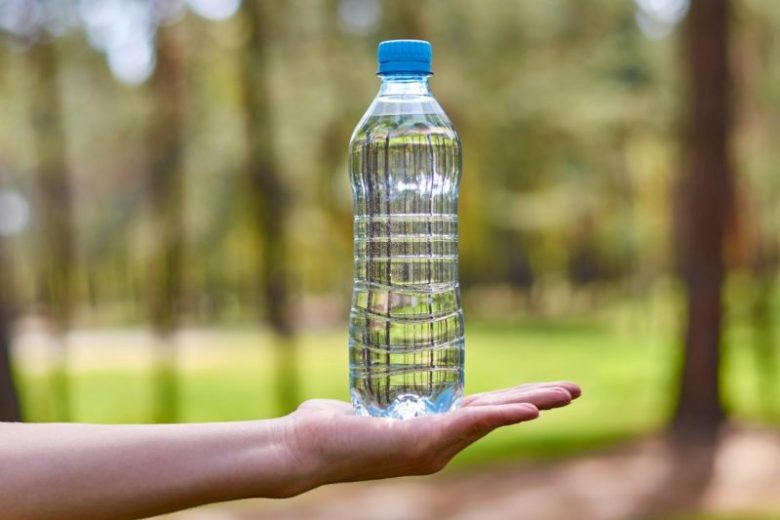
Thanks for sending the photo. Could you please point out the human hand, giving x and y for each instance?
(331, 444)
(136, 471)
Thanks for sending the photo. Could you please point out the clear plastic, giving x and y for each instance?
(406, 323)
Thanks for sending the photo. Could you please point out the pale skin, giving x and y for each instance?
(86, 472)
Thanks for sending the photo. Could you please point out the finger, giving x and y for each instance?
(470, 424)
(572, 388)
(524, 387)
(542, 398)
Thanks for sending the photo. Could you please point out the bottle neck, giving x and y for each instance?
(404, 85)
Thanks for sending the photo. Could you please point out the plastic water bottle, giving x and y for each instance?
(406, 322)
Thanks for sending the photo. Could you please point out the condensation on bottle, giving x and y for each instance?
(406, 343)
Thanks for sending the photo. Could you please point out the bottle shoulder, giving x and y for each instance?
(398, 116)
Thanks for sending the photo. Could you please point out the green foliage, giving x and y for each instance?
(570, 123)
(566, 114)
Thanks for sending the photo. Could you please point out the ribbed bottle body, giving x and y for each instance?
(406, 321)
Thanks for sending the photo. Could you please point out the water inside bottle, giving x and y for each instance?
(406, 323)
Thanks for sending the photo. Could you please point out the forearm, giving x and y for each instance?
(79, 471)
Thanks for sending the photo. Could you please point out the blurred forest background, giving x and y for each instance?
(176, 219)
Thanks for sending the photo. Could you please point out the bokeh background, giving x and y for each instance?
(176, 237)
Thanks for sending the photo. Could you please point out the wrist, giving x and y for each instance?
(277, 462)
(304, 468)
(251, 459)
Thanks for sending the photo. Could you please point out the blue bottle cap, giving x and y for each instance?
(404, 56)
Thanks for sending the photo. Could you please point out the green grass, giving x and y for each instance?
(626, 380)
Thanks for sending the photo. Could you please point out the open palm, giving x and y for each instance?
(338, 446)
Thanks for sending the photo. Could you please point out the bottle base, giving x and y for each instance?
(406, 406)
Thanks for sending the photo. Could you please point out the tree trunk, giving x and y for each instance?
(9, 401)
(166, 194)
(705, 204)
(764, 273)
(270, 201)
(57, 235)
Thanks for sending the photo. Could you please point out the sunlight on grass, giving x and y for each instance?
(626, 380)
